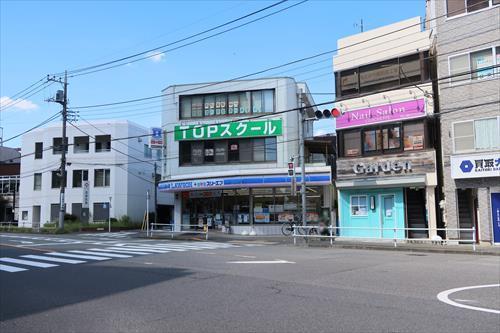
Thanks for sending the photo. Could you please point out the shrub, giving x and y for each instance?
(125, 219)
(70, 217)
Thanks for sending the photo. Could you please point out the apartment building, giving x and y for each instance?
(230, 144)
(468, 59)
(386, 168)
(10, 166)
(106, 177)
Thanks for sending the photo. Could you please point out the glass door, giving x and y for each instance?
(388, 216)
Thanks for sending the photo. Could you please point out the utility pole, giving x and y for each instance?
(147, 213)
(63, 100)
(302, 162)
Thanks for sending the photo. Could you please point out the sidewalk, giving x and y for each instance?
(339, 243)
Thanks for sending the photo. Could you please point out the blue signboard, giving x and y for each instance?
(495, 211)
(237, 182)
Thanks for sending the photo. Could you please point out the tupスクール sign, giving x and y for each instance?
(242, 129)
(156, 138)
(382, 113)
(475, 166)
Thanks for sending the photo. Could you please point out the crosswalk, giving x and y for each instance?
(119, 234)
(116, 251)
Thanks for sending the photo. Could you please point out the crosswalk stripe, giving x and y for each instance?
(27, 262)
(118, 251)
(165, 248)
(11, 269)
(66, 261)
(137, 249)
(113, 255)
(77, 256)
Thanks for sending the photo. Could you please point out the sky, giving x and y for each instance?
(45, 37)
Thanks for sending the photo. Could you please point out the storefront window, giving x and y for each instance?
(244, 103)
(383, 139)
(209, 151)
(220, 105)
(391, 137)
(220, 151)
(197, 107)
(359, 205)
(246, 150)
(197, 153)
(352, 143)
(233, 104)
(186, 107)
(372, 140)
(234, 151)
(263, 205)
(271, 149)
(209, 106)
(413, 136)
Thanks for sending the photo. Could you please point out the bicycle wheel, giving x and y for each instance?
(286, 229)
(313, 231)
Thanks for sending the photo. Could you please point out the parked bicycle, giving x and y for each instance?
(287, 228)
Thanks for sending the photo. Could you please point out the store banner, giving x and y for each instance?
(475, 166)
(241, 182)
(383, 113)
(495, 211)
(241, 129)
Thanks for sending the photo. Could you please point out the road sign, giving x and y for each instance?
(156, 138)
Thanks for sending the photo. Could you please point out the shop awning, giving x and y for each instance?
(242, 182)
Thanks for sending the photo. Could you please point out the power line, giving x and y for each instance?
(54, 116)
(74, 71)
(26, 95)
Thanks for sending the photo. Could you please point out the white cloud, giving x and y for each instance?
(156, 56)
(20, 104)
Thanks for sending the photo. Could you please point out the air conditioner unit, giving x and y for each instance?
(60, 96)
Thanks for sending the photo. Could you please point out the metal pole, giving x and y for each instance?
(62, 204)
(109, 215)
(302, 164)
(155, 196)
(473, 238)
(147, 213)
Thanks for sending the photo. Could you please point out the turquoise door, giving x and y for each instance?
(388, 215)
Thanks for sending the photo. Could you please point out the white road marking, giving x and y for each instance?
(11, 269)
(77, 256)
(112, 255)
(443, 297)
(262, 262)
(27, 262)
(242, 256)
(138, 249)
(118, 251)
(66, 261)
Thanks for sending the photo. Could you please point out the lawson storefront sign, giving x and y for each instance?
(382, 113)
(242, 129)
(239, 182)
(475, 166)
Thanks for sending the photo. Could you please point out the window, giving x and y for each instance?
(475, 65)
(185, 107)
(148, 153)
(57, 146)
(209, 151)
(414, 136)
(56, 179)
(393, 73)
(352, 143)
(101, 177)
(246, 150)
(102, 143)
(37, 182)
(457, 7)
(80, 176)
(38, 150)
(385, 139)
(359, 205)
(481, 134)
(220, 151)
(233, 151)
(259, 153)
(271, 149)
(479, 60)
(184, 152)
(197, 153)
(216, 105)
(81, 144)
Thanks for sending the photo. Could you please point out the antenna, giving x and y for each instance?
(360, 25)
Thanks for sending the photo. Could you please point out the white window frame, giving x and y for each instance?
(350, 204)
(103, 177)
(473, 133)
(496, 71)
(34, 181)
(490, 6)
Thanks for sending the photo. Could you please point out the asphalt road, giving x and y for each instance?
(213, 287)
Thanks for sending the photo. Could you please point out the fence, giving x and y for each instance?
(333, 232)
(170, 228)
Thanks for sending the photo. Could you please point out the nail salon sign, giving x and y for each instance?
(382, 113)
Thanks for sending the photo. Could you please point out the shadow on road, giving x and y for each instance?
(36, 291)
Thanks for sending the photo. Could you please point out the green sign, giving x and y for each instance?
(242, 129)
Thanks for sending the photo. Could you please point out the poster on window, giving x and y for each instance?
(262, 217)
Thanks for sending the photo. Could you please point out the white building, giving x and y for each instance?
(118, 172)
(229, 168)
